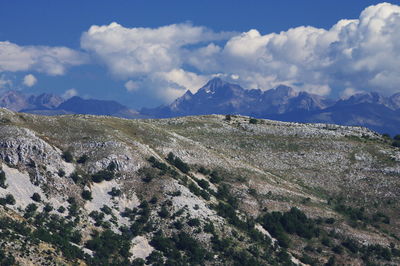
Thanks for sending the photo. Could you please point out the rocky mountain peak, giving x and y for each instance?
(45, 100)
(213, 85)
(13, 100)
(366, 97)
(284, 91)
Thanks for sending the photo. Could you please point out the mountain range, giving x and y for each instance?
(368, 109)
(50, 104)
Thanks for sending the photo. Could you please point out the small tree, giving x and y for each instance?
(36, 197)
(112, 166)
(87, 195)
(253, 121)
(83, 159)
(115, 192)
(3, 179)
(61, 209)
(61, 173)
(10, 199)
(67, 156)
(48, 207)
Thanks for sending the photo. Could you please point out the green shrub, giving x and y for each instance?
(36, 197)
(102, 175)
(6, 259)
(3, 179)
(75, 177)
(112, 166)
(87, 195)
(9, 199)
(32, 207)
(178, 163)
(157, 164)
(215, 177)
(83, 159)
(61, 173)
(163, 213)
(48, 207)
(67, 156)
(106, 210)
(203, 183)
(115, 192)
(253, 121)
(61, 209)
(194, 222)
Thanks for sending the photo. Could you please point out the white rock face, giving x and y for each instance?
(101, 197)
(20, 187)
(22, 146)
(140, 248)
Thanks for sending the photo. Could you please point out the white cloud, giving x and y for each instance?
(153, 56)
(5, 83)
(70, 93)
(349, 92)
(45, 59)
(362, 54)
(184, 79)
(137, 51)
(131, 86)
(29, 80)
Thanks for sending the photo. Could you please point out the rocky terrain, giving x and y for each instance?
(201, 190)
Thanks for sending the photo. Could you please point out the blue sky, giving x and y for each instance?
(51, 46)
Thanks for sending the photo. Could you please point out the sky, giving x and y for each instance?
(144, 53)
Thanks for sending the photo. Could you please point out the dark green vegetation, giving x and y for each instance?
(3, 179)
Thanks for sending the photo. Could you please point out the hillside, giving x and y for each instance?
(200, 190)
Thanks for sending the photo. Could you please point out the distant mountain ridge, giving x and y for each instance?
(51, 104)
(219, 97)
(368, 109)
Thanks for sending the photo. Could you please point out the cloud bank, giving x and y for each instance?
(353, 55)
(44, 59)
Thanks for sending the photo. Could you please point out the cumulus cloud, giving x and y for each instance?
(361, 54)
(346, 93)
(70, 93)
(29, 80)
(154, 56)
(131, 85)
(45, 59)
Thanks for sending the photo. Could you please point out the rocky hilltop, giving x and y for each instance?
(201, 190)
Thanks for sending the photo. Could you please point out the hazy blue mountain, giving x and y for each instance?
(220, 97)
(45, 101)
(78, 105)
(51, 104)
(14, 100)
(369, 109)
(17, 101)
